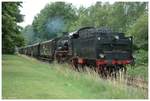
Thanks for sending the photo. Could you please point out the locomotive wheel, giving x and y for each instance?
(81, 67)
(102, 71)
(114, 73)
(74, 63)
(98, 69)
(111, 71)
(124, 70)
(120, 72)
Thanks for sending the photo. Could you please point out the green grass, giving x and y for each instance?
(141, 65)
(140, 71)
(27, 78)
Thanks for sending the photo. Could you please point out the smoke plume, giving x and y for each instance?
(55, 25)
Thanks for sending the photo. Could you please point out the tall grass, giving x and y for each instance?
(26, 78)
(140, 69)
(93, 77)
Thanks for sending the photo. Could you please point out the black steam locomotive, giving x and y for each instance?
(99, 48)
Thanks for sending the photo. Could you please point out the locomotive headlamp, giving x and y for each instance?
(99, 38)
(130, 39)
(117, 37)
(101, 55)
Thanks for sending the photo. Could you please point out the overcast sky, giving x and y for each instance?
(31, 8)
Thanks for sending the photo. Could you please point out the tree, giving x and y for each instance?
(11, 36)
(58, 17)
(53, 19)
(29, 35)
(139, 30)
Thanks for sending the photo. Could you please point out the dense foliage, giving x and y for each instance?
(11, 36)
(53, 19)
(128, 17)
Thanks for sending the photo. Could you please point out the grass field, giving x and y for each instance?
(140, 71)
(27, 78)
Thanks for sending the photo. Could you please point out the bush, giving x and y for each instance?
(141, 57)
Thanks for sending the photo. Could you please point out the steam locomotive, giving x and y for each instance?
(99, 48)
